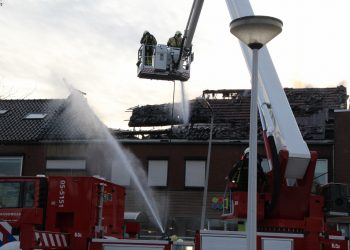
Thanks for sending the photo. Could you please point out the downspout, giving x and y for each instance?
(333, 163)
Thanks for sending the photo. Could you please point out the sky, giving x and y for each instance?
(47, 45)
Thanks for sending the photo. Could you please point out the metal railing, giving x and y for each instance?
(145, 55)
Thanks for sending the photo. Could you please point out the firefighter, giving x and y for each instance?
(238, 176)
(176, 40)
(149, 41)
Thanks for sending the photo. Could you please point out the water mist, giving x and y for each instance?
(88, 123)
(185, 106)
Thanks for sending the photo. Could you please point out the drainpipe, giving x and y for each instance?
(333, 163)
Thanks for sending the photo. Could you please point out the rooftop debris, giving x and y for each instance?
(312, 107)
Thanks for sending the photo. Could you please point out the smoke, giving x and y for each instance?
(343, 83)
(301, 84)
(346, 85)
(298, 84)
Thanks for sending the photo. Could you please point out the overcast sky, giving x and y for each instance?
(92, 45)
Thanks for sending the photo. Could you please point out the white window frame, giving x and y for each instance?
(120, 175)
(265, 165)
(65, 164)
(11, 158)
(277, 243)
(157, 173)
(35, 116)
(195, 173)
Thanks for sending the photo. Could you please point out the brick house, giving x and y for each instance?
(52, 137)
(63, 136)
(175, 158)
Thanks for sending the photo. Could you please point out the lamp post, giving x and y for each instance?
(255, 32)
(205, 193)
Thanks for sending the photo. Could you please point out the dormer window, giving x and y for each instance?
(3, 111)
(35, 116)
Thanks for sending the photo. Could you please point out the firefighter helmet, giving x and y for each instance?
(246, 151)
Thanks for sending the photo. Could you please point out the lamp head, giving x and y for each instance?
(256, 31)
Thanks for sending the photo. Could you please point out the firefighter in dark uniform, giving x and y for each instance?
(149, 41)
(176, 40)
(238, 176)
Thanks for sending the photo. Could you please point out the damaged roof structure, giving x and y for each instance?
(312, 107)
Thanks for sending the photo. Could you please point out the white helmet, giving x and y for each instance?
(246, 151)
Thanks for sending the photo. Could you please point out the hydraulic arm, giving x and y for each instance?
(276, 115)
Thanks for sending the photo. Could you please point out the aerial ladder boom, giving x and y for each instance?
(186, 48)
(275, 112)
(170, 63)
(278, 121)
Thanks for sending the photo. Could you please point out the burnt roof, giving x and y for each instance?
(312, 107)
(59, 121)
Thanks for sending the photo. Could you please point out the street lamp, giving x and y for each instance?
(255, 32)
(205, 193)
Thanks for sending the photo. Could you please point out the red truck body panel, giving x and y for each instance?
(61, 209)
(72, 208)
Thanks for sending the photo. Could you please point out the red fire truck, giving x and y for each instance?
(80, 213)
(88, 213)
(66, 213)
(288, 215)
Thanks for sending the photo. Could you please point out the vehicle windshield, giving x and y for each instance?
(16, 194)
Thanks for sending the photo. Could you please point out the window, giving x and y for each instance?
(120, 173)
(195, 174)
(273, 243)
(69, 167)
(344, 229)
(321, 171)
(3, 111)
(35, 116)
(9, 193)
(16, 194)
(265, 165)
(11, 166)
(157, 173)
(28, 194)
(66, 164)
